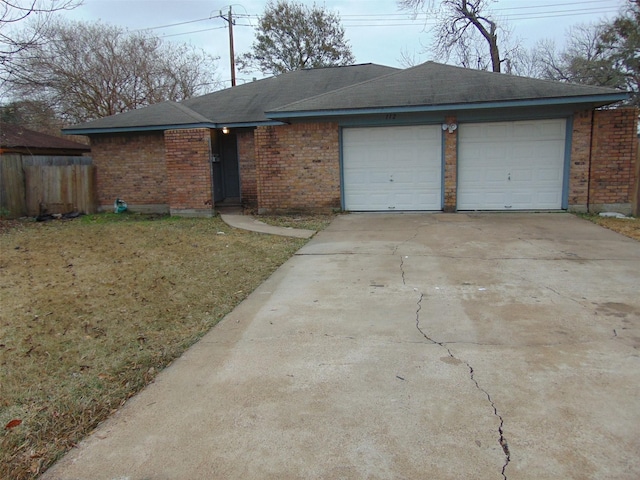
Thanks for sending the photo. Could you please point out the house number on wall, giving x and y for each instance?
(390, 116)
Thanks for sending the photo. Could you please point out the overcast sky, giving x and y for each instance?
(377, 30)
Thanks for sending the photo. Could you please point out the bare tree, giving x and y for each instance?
(33, 115)
(465, 30)
(15, 12)
(85, 71)
(291, 36)
(408, 59)
(583, 60)
(620, 42)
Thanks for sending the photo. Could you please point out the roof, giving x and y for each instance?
(248, 103)
(349, 90)
(154, 117)
(16, 137)
(434, 86)
(243, 105)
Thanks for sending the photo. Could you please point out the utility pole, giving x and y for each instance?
(231, 53)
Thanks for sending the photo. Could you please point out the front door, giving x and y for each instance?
(230, 171)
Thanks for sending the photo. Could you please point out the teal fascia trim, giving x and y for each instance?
(603, 99)
(150, 128)
(91, 131)
(568, 142)
(268, 123)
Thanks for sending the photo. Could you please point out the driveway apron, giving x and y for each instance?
(488, 346)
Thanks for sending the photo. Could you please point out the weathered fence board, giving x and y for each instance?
(60, 189)
(31, 185)
(13, 202)
(54, 161)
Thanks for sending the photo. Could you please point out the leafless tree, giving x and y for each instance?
(582, 60)
(14, 13)
(85, 71)
(465, 30)
(408, 59)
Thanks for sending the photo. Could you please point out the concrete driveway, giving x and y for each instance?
(482, 346)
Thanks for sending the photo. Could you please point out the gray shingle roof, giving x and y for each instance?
(434, 84)
(350, 90)
(243, 104)
(247, 103)
(160, 114)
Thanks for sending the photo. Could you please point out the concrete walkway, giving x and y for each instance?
(405, 346)
(246, 222)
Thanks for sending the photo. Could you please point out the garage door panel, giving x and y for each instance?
(550, 174)
(520, 170)
(392, 168)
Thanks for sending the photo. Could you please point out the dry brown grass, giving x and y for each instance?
(629, 226)
(93, 308)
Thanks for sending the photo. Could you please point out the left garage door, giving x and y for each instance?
(392, 168)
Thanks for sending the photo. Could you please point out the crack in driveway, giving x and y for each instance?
(501, 439)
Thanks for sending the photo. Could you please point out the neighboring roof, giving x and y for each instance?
(434, 86)
(243, 105)
(16, 137)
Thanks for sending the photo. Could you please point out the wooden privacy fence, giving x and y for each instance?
(32, 185)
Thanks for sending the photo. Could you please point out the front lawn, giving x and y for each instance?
(92, 309)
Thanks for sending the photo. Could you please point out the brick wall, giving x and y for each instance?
(579, 163)
(298, 167)
(247, 161)
(613, 160)
(450, 167)
(189, 171)
(130, 166)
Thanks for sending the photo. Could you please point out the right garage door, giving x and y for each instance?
(511, 165)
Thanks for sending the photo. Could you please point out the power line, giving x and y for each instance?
(175, 24)
(352, 20)
(193, 31)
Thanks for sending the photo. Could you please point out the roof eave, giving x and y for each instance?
(596, 100)
(161, 128)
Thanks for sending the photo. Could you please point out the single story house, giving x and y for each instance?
(373, 138)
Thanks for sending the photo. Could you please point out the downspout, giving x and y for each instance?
(593, 117)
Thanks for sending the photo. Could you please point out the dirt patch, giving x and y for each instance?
(93, 308)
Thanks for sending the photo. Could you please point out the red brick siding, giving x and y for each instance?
(613, 158)
(579, 164)
(130, 166)
(189, 171)
(450, 167)
(298, 167)
(248, 174)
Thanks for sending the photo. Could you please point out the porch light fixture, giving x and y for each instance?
(225, 130)
(450, 127)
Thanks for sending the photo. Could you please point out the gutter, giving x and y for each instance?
(162, 128)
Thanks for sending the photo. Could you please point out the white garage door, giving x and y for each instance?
(511, 165)
(392, 168)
